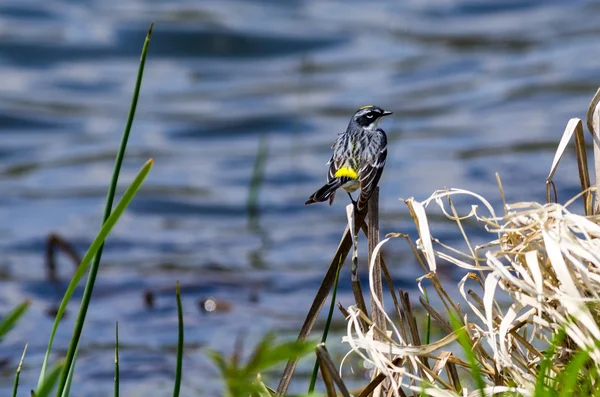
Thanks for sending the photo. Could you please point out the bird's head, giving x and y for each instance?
(369, 116)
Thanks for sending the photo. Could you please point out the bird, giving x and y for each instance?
(358, 158)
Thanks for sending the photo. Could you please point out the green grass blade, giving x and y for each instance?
(258, 174)
(570, 376)
(464, 341)
(117, 360)
(16, 384)
(428, 323)
(542, 388)
(275, 353)
(177, 386)
(313, 378)
(100, 237)
(87, 293)
(45, 388)
(12, 317)
(67, 389)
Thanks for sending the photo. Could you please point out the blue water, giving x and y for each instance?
(476, 87)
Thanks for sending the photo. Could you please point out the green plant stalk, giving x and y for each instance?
(87, 293)
(541, 389)
(11, 318)
(569, 378)
(16, 384)
(428, 323)
(464, 341)
(258, 174)
(67, 390)
(116, 394)
(87, 258)
(313, 378)
(178, 370)
(46, 387)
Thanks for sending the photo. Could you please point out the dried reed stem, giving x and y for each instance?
(355, 280)
(593, 123)
(377, 315)
(338, 260)
(373, 237)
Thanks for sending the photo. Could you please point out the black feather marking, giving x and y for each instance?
(327, 192)
(369, 176)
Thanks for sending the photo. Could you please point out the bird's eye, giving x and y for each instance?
(370, 115)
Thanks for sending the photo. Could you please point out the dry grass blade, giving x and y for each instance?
(442, 323)
(409, 318)
(593, 123)
(377, 381)
(343, 310)
(453, 377)
(327, 379)
(417, 211)
(582, 166)
(564, 141)
(328, 369)
(591, 113)
(388, 280)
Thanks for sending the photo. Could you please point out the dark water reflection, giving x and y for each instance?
(476, 87)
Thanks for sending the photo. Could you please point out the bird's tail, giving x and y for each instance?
(325, 193)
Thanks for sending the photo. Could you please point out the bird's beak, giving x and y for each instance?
(387, 113)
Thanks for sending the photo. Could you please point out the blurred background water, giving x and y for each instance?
(476, 87)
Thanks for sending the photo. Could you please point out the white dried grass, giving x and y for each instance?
(543, 256)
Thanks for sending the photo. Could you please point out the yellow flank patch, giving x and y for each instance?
(346, 171)
(364, 107)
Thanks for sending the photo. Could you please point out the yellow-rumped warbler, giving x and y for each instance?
(358, 158)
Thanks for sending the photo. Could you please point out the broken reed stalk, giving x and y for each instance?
(373, 240)
(342, 251)
(330, 372)
(355, 280)
(593, 124)
(349, 241)
(582, 166)
(378, 316)
(55, 242)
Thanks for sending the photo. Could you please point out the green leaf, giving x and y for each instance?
(569, 378)
(12, 317)
(278, 353)
(67, 388)
(79, 273)
(428, 317)
(46, 387)
(543, 385)
(240, 381)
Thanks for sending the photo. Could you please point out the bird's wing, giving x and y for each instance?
(369, 174)
(334, 165)
(335, 162)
